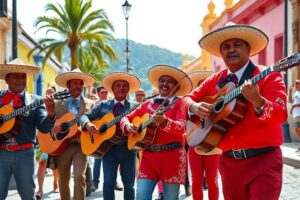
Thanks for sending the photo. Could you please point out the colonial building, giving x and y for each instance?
(295, 26)
(35, 84)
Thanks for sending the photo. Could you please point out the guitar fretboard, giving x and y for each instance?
(73, 121)
(36, 103)
(119, 117)
(159, 112)
(236, 92)
(22, 110)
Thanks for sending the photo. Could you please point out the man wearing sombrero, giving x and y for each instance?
(120, 84)
(251, 162)
(204, 166)
(17, 144)
(74, 81)
(165, 159)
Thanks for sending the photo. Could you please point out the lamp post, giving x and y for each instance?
(126, 9)
(14, 31)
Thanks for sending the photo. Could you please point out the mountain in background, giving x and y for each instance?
(142, 58)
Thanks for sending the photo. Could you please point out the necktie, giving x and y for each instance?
(75, 104)
(117, 110)
(229, 78)
(16, 98)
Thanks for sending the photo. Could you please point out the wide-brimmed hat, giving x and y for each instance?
(109, 79)
(140, 91)
(256, 38)
(181, 77)
(17, 66)
(198, 76)
(63, 78)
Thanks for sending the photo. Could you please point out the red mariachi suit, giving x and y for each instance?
(247, 178)
(253, 131)
(170, 165)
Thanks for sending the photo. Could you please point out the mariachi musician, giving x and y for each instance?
(16, 144)
(204, 166)
(165, 159)
(120, 84)
(251, 162)
(74, 81)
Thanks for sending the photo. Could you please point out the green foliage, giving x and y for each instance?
(80, 29)
(90, 66)
(143, 57)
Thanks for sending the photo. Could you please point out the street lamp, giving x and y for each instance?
(126, 9)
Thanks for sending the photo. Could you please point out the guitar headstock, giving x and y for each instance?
(61, 95)
(287, 62)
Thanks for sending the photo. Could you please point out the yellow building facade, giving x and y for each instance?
(25, 44)
(204, 61)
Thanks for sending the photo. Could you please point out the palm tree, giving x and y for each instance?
(90, 66)
(79, 29)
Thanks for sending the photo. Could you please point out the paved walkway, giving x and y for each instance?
(290, 188)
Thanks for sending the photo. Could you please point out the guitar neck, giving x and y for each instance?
(73, 121)
(158, 112)
(236, 92)
(118, 118)
(22, 110)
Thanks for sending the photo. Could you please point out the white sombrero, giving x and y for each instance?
(63, 78)
(17, 66)
(109, 79)
(257, 39)
(181, 77)
(198, 76)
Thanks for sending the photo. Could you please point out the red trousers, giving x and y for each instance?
(199, 165)
(255, 178)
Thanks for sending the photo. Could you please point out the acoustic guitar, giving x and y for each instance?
(229, 108)
(54, 144)
(147, 130)
(106, 127)
(8, 114)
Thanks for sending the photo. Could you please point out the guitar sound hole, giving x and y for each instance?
(103, 129)
(64, 131)
(219, 105)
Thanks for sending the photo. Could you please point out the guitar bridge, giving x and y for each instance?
(52, 135)
(92, 138)
(202, 122)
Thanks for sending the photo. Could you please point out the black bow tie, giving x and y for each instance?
(229, 78)
(161, 100)
(117, 109)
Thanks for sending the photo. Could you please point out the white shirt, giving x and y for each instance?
(122, 102)
(240, 72)
(71, 107)
(296, 100)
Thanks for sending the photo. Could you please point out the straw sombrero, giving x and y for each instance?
(257, 39)
(198, 76)
(63, 78)
(181, 77)
(109, 79)
(17, 66)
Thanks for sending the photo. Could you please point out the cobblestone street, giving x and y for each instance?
(290, 188)
(291, 183)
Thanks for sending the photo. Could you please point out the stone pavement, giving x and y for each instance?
(290, 187)
(291, 155)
